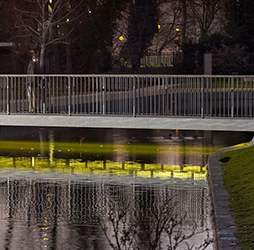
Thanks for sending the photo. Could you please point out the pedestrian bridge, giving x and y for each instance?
(195, 102)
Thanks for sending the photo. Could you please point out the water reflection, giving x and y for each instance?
(69, 214)
(141, 225)
(125, 190)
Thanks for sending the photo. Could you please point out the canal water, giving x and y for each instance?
(107, 188)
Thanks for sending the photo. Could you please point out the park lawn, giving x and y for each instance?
(239, 181)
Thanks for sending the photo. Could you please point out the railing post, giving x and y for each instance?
(134, 98)
(43, 96)
(7, 96)
(103, 96)
(232, 97)
(69, 95)
(202, 98)
(167, 95)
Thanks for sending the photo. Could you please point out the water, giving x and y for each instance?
(106, 189)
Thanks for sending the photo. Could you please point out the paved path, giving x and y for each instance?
(224, 224)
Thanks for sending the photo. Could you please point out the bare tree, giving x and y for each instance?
(174, 22)
(44, 21)
(145, 230)
(204, 15)
(181, 21)
(169, 26)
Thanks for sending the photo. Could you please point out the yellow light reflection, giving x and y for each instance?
(172, 167)
(199, 176)
(108, 167)
(144, 174)
(152, 166)
(192, 168)
(164, 175)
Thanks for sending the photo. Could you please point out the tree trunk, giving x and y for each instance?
(42, 59)
(68, 59)
(56, 59)
(184, 22)
(135, 61)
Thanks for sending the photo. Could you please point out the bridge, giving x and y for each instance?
(195, 102)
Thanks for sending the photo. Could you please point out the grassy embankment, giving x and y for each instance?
(239, 181)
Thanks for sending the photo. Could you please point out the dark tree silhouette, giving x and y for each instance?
(142, 26)
(239, 21)
(92, 46)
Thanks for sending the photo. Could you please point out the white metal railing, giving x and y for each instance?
(132, 95)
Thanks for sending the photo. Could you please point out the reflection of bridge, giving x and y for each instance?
(129, 101)
(104, 168)
(142, 157)
(62, 213)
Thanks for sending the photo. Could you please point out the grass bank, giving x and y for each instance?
(238, 167)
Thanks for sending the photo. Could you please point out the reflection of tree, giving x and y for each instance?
(124, 228)
(154, 228)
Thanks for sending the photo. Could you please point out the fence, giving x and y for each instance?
(131, 95)
(153, 60)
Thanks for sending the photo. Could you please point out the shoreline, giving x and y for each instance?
(224, 225)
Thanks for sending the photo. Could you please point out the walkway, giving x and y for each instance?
(224, 224)
(128, 122)
(128, 95)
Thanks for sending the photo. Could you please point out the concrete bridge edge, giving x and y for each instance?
(225, 227)
(128, 122)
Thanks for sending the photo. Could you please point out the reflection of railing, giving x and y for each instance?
(171, 95)
(80, 202)
(37, 213)
(145, 170)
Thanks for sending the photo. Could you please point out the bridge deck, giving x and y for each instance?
(226, 103)
(128, 122)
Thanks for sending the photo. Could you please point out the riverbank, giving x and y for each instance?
(229, 186)
(239, 180)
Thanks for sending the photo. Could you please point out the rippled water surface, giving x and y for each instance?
(106, 189)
